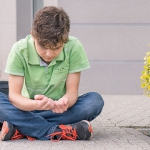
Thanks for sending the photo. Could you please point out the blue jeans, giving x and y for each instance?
(39, 123)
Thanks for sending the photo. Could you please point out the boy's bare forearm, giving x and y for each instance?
(22, 102)
(72, 98)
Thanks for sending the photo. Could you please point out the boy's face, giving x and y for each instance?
(48, 54)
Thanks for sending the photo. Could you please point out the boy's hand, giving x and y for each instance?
(43, 102)
(38, 97)
(61, 105)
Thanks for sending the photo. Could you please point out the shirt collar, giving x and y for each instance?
(33, 55)
(42, 63)
(61, 56)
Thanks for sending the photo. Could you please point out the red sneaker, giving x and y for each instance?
(78, 131)
(8, 132)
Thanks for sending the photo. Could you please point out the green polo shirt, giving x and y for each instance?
(49, 80)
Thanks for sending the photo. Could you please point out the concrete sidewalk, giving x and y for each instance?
(117, 128)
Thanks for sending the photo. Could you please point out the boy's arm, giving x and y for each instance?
(72, 85)
(23, 103)
(70, 98)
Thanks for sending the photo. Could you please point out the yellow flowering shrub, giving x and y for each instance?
(145, 77)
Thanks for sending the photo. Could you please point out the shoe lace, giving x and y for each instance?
(19, 135)
(30, 138)
(67, 133)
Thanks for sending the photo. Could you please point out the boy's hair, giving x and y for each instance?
(51, 26)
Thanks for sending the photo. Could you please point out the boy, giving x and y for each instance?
(44, 73)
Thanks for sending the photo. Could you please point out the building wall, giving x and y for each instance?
(115, 35)
(7, 32)
(50, 2)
